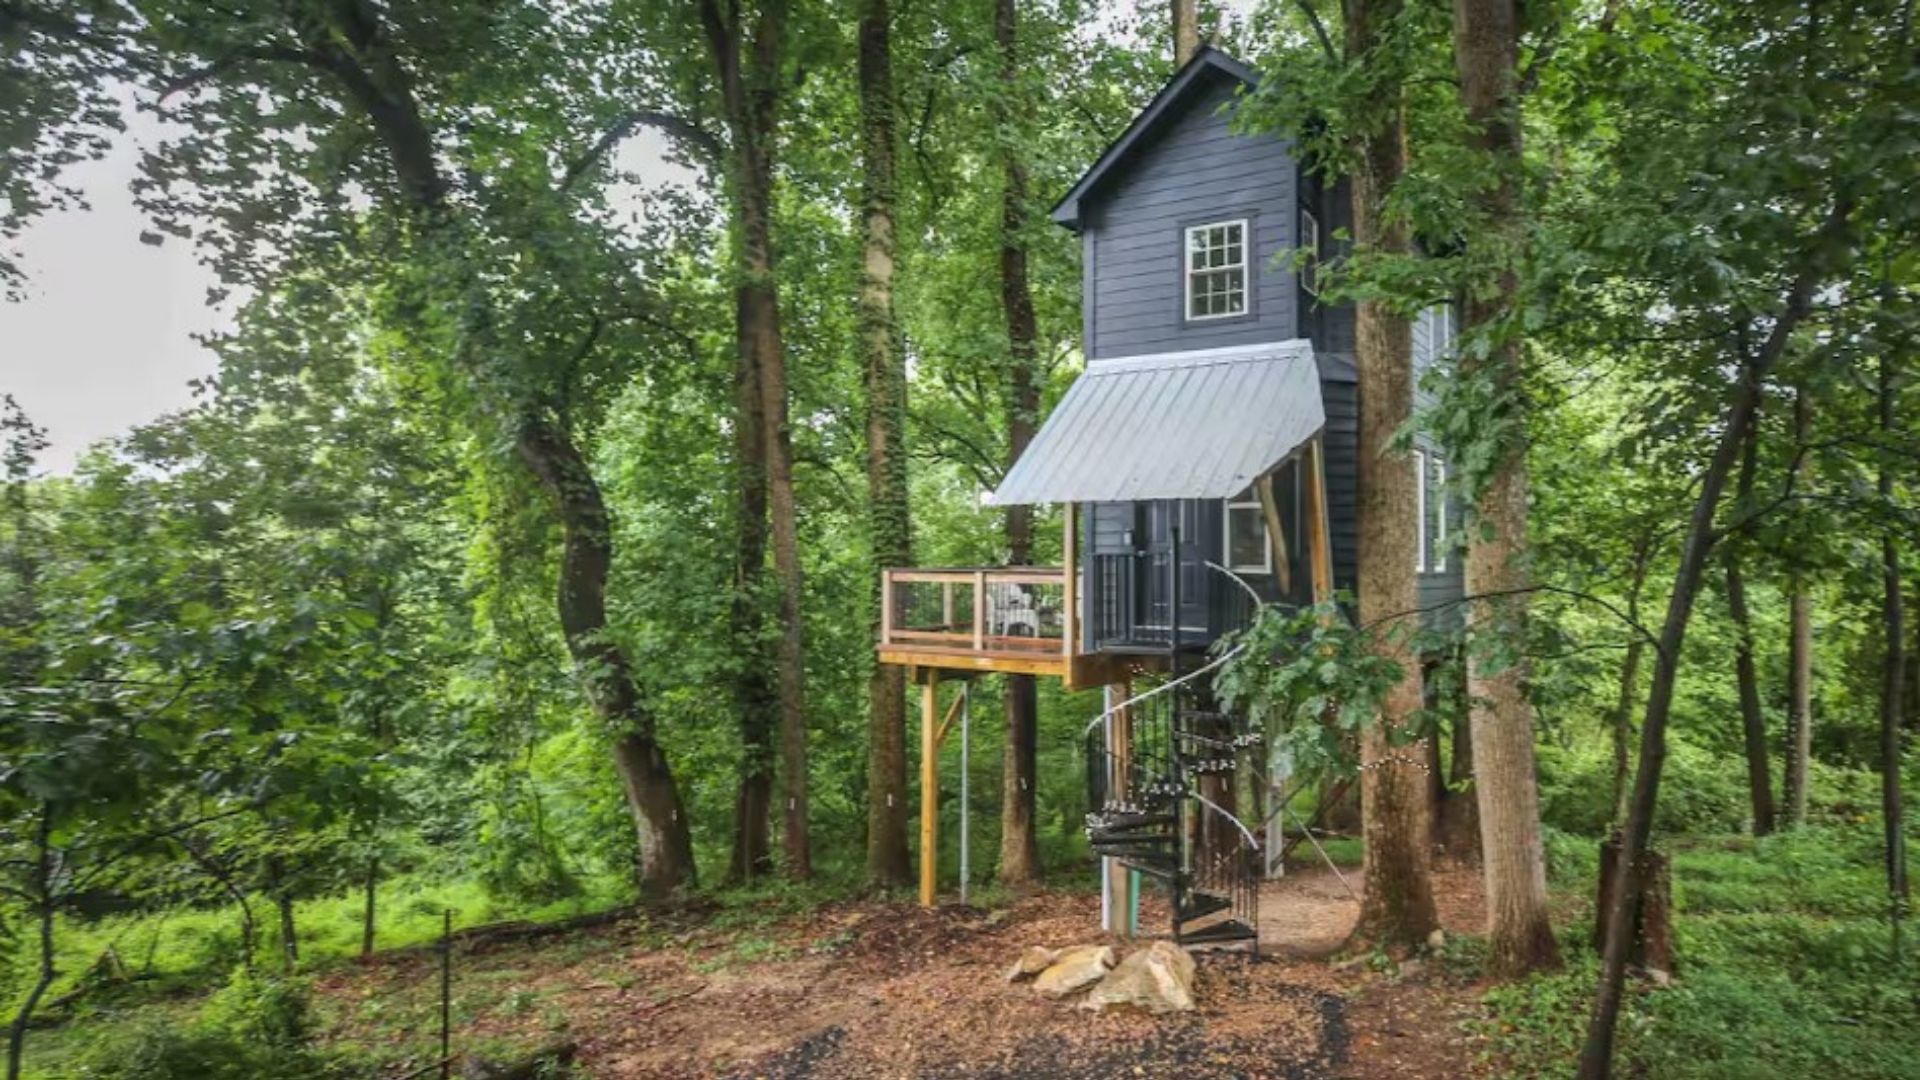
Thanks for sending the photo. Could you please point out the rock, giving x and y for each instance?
(1659, 978)
(1035, 960)
(1158, 978)
(1074, 968)
(1411, 969)
(1437, 940)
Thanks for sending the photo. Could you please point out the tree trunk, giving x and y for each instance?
(1186, 31)
(281, 890)
(1019, 841)
(1596, 1055)
(1893, 677)
(1753, 719)
(367, 911)
(1397, 906)
(1487, 45)
(886, 385)
(753, 693)
(1621, 725)
(666, 844)
(747, 65)
(1799, 651)
(44, 910)
(1460, 828)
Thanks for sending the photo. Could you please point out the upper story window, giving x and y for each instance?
(1217, 270)
(1310, 245)
(1432, 472)
(1248, 550)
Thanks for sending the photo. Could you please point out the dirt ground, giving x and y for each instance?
(871, 990)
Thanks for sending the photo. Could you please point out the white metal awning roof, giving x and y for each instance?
(1188, 425)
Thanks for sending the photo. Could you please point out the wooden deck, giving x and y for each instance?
(1022, 620)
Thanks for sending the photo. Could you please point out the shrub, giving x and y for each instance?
(251, 1029)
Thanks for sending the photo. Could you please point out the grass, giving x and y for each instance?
(1786, 971)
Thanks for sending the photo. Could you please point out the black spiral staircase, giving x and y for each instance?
(1162, 767)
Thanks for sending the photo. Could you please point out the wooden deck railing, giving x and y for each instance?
(1006, 611)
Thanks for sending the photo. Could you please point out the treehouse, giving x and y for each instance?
(1206, 462)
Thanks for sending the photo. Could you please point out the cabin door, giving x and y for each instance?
(1158, 520)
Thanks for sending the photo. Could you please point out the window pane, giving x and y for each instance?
(1246, 538)
(1434, 518)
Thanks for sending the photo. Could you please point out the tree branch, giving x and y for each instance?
(679, 128)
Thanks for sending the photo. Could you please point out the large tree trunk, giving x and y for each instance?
(1893, 677)
(1596, 1055)
(666, 844)
(1487, 45)
(1397, 906)
(886, 386)
(1186, 31)
(1799, 651)
(1753, 719)
(747, 65)
(372, 79)
(753, 692)
(1019, 840)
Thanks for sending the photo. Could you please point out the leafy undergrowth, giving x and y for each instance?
(1786, 971)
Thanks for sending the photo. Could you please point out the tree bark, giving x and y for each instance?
(1397, 906)
(1019, 840)
(1186, 31)
(1799, 651)
(1753, 720)
(1893, 677)
(886, 386)
(747, 63)
(1520, 935)
(1596, 1055)
(44, 912)
(666, 844)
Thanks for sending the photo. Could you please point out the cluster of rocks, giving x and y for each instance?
(1157, 978)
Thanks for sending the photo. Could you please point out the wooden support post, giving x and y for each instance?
(1319, 540)
(1120, 744)
(979, 611)
(886, 607)
(946, 605)
(1276, 535)
(929, 786)
(1070, 582)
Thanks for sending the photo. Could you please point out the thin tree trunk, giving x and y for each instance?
(1397, 906)
(1799, 652)
(367, 911)
(747, 65)
(1596, 1055)
(1520, 935)
(1186, 31)
(1893, 619)
(1621, 725)
(280, 888)
(1753, 720)
(666, 844)
(1019, 840)
(888, 520)
(43, 885)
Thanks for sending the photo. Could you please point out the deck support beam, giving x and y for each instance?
(929, 785)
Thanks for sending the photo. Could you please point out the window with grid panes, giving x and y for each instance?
(1217, 270)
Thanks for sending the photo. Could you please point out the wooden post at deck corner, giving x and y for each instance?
(930, 783)
(1319, 543)
(1070, 584)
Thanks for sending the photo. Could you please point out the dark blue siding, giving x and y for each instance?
(1196, 171)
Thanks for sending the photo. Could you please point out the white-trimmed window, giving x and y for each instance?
(1216, 270)
(1432, 500)
(1310, 244)
(1248, 549)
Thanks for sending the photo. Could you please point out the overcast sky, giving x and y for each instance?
(103, 340)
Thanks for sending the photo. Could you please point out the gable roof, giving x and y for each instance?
(1204, 70)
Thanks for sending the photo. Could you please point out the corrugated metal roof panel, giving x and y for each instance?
(1188, 425)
